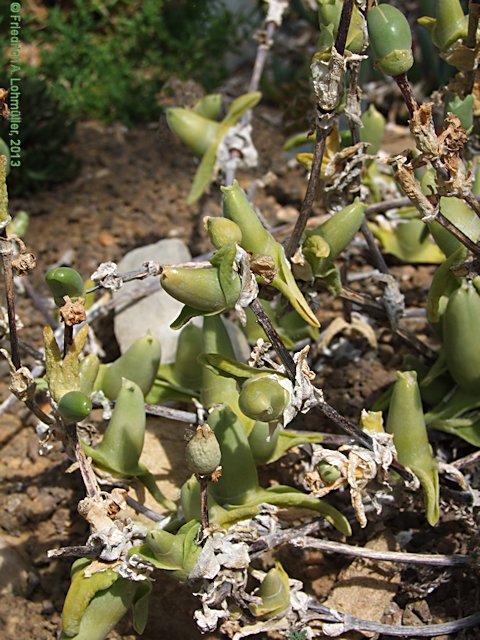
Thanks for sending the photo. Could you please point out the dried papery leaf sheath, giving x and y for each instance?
(407, 424)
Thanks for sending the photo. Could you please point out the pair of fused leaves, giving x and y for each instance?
(237, 494)
(121, 447)
(176, 553)
(329, 12)
(449, 24)
(259, 242)
(326, 242)
(406, 422)
(408, 239)
(203, 135)
(95, 604)
(139, 363)
(63, 374)
(180, 380)
(216, 288)
(221, 375)
(204, 290)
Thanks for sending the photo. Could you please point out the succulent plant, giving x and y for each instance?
(204, 290)
(176, 553)
(406, 422)
(64, 281)
(121, 447)
(460, 340)
(390, 39)
(204, 135)
(203, 451)
(263, 398)
(274, 593)
(74, 406)
(449, 25)
(329, 12)
(94, 604)
(260, 242)
(139, 364)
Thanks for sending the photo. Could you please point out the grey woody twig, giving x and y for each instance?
(329, 546)
(340, 623)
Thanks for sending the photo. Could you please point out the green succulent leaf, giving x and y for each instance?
(82, 590)
(204, 173)
(410, 242)
(406, 422)
(274, 592)
(122, 444)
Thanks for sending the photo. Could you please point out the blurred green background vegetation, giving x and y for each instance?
(107, 59)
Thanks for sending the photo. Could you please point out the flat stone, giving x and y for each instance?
(156, 311)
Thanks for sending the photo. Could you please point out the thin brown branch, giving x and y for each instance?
(473, 203)
(386, 205)
(307, 204)
(88, 476)
(145, 511)
(473, 16)
(330, 546)
(266, 324)
(458, 234)
(67, 338)
(467, 461)
(203, 480)
(406, 89)
(76, 551)
(343, 26)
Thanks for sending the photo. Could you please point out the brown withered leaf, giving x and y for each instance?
(461, 57)
(423, 130)
(406, 178)
(453, 137)
(73, 311)
(264, 266)
(24, 263)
